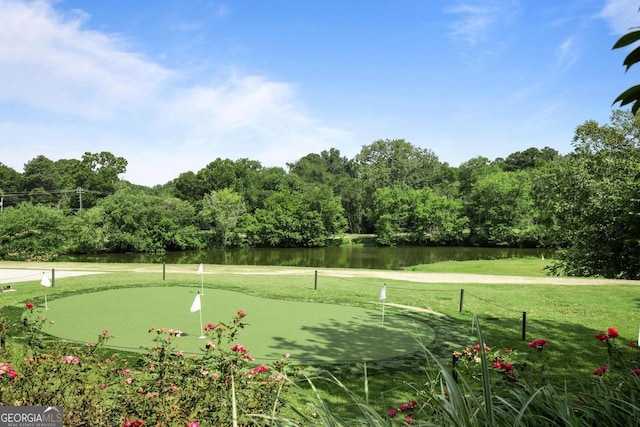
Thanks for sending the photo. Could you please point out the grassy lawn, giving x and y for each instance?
(568, 316)
(530, 267)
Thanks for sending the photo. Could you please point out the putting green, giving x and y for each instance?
(310, 332)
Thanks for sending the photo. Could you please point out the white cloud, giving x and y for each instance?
(621, 15)
(478, 18)
(49, 62)
(66, 89)
(567, 53)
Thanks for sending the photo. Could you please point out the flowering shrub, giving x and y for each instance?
(404, 413)
(168, 388)
(624, 358)
(468, 361)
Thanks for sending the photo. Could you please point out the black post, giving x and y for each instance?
(164, 269)
(53, 277)
(461, 300)
(524, 325)
(315, 282)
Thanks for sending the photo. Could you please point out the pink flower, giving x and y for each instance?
(125, 371)
(193, 424)
(241, 313)
(287, 355)
(12, 374)
(239, 347)
(4, 367)
(392, 413)
(103, 385)
(128, 380)
(71, 360)
(408, 420)
(89, 344)
(210, 327)
(105, 331)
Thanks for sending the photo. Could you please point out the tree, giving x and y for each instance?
(590, 201)
(300, 214)
(33, 232)
(393, 163)
(139, 222)
(437, 219)
(500, 209)
(41, 173)
(631, 95)
(222, 210)
(9, 179)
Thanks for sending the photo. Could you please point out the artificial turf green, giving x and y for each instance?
(309, 332)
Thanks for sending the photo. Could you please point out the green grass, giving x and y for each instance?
(310, 332)
(567, 316)
(530, 267)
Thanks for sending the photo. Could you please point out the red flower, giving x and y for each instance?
(210, 327)
(601, 370)
(603, 337)
(408, 420)
(241, 313)
(129, 423)
(392, 413)
(636, 372)
(613, 333)
(259, 368)
(508, 369)
(539, 343)
(239, 347)
(29, 305)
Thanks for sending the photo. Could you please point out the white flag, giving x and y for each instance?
(383, 293)
(45, 281)
(196, 304)
(201, 269)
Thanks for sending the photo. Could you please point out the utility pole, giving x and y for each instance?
(80, 195)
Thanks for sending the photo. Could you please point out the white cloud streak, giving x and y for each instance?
(478, 18)
(81, 90)
(621, 15)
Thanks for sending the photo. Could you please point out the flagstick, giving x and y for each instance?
(201, 328)
(383, 301)
(202, 283)
(46, 305)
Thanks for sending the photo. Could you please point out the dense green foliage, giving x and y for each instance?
(584, 203)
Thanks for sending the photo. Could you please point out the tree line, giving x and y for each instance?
(584, 203)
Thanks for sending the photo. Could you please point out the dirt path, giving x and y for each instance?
(16, 270)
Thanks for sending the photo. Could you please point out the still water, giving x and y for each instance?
(382, 258)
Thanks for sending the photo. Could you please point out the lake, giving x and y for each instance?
(382, 258)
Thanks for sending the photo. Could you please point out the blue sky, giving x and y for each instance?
(172, 85)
